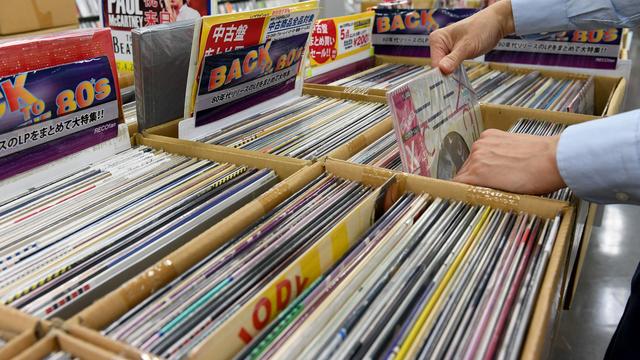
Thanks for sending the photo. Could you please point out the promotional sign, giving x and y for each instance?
(405, 32)
(436, 119)
(340, 41)
(124, 15)
(56, 104)
(597, 49)
(246, 60)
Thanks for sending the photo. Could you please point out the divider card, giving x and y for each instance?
(122, 16)
(596, 49)
(339, 42)
(58, 95)
(436, 119)
(405, 32)
(244, 63)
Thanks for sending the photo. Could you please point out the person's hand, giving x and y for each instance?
(518, 163)
(471, 37)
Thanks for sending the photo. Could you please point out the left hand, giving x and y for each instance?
(518, 163)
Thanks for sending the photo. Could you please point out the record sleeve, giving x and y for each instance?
(161, 59)
(436, 120)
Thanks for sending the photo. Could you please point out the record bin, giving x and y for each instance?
(283, 167)
(18, 331)
(502, 117)
(225, 342)
(58, 342)
(609, 91)
(494, 116)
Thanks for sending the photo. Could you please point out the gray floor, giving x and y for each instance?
(585, 330)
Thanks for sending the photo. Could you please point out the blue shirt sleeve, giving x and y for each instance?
(531, 17)
(600, 159)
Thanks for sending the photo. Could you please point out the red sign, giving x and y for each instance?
(323, 41)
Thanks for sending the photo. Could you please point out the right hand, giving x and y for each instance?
(471, 37)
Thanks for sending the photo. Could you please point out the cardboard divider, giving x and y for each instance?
(361, 141)
(95, 338)
(58, 341)
(283, 166)
(19, 330)
(609, 91)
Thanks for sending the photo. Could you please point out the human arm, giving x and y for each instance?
(481, 32)
(599, 160)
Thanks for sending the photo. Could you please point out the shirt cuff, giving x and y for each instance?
(600, 160)
(532, 17)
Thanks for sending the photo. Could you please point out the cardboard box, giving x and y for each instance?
(19, 331)
(609, 91)
(58, 341)
(19, 16)
(224, 341)
(502, 117)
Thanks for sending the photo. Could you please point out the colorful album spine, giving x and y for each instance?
(340, 44)
(242, 61)
(59, 94)
(254, 316)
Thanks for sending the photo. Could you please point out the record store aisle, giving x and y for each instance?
(584, 331)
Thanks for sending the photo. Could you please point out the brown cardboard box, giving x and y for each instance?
(114, 305)
(609, 91)
(19, 331)
(58, 341)
(501, 117)
(19, 16)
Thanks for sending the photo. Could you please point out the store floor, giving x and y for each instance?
(585, 330)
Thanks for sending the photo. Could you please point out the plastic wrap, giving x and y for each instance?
(161, 61)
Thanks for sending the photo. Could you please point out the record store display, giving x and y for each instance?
(308, 128)
(236, 220)
(176, 318)
(384, 77)
(72, 236)
(432, 279)
(228, 7)
(533, 90)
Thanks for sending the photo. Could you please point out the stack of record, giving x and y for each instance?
(432, 279)
(543, 128)
(385, 76)
(182, 314)
(382, 153)
(130, 113)
(82, 235)
(533, 90)
(309, 128)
